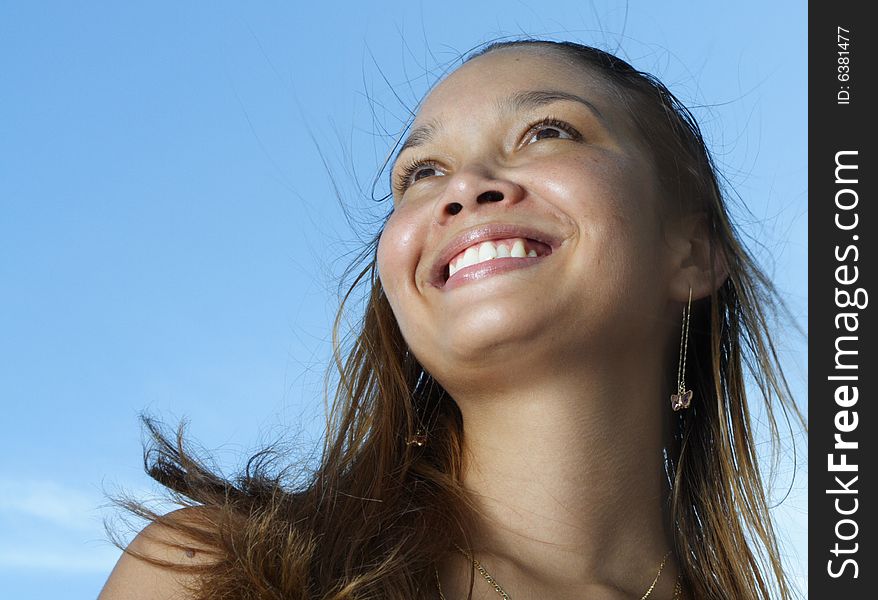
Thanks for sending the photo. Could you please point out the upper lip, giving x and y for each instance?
(481, 233)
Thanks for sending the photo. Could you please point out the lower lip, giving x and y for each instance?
(488, 269)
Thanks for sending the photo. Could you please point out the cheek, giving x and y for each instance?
(398, 256)
(398, 253)
(614, 196)
(614, 200)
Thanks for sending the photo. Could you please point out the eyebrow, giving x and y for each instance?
(420, 135)
(521, 101)
(517, 102)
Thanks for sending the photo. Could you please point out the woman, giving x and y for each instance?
(546, 399)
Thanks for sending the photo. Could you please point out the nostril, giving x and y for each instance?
(454, 208)
(490, 196)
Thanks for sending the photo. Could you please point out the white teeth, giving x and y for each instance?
(470, 257)
(489, 250)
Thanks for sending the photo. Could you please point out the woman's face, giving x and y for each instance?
(522, 155)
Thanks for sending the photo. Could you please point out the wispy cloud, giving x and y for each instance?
(53, 527)
(48, 501)
(77, 560)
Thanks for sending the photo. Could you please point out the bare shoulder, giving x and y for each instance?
(136, 579)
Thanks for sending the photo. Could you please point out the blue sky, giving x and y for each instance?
(170, 240)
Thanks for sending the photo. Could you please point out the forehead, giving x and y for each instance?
(485, 82)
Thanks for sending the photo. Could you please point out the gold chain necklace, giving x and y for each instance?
(678, 588)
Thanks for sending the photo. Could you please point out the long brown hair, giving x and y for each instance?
(376, 513)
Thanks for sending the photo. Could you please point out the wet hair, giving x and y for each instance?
(376, 514)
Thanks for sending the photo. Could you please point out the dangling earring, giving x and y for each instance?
(419, 439)
(683, 397)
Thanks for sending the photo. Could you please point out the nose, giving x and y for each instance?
(473, 187)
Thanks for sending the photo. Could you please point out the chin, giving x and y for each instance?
(489, 338)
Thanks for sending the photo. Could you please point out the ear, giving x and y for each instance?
(697, 261)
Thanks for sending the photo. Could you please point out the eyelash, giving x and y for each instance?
(403, 180)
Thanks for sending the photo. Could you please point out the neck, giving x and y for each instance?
(567, 473)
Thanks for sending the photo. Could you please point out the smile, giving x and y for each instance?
(490, 257)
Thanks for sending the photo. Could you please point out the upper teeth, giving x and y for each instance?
(478, 253)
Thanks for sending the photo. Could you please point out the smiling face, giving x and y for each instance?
(524, 181)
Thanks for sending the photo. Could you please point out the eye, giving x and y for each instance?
(413, 172)
(551, 128)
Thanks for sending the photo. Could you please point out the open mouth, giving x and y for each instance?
(495, 250)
